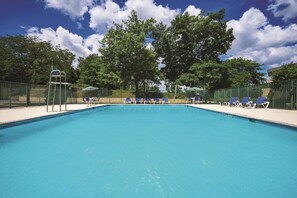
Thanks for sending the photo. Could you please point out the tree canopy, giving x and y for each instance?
(191, 39)
(243, 72)
(216, 75)
(286, 72)
(93, 72)
(26, 59)
(124, 51)
(209, 75)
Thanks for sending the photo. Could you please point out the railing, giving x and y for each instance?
(283, 96)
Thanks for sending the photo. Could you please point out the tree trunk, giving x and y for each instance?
(136, 88)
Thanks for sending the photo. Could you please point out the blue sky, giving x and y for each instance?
(265, 30)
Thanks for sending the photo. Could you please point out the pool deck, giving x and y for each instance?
(278, 116)
(284, 117)
(26, 113)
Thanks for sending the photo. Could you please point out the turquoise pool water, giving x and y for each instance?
(149, 152)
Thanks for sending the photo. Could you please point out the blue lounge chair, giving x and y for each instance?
(147, 101)
(156, 100)
(138, 100)
(165, 101)
(197, 99)
(261, 101)
(87, 100)
(128, 101)
(245, 102)
(232, 101)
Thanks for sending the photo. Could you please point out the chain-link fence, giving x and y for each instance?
(283, 96)
(14, 94)
(21, 94)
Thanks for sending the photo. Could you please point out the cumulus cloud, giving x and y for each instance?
(76, 44)
(103, 16)
(74, 8)
(92, 43)
(192, 10)
(256, 39)
(286, 9)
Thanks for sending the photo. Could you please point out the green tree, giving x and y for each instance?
(124, 52)
(286, 72)
(93, 72)
(191, 39)
(209, 75)
(29, 60)
(243, 72)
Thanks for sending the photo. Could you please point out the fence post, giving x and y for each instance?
(27, 95)
(10, 94)
(39, 94)
(292, 94)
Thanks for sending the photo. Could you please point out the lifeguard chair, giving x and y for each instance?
(57, 78)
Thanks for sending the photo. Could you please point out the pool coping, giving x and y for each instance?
(45, 117)
(270, 122)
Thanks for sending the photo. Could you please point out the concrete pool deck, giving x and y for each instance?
(284, 117)
(26, 113)
(278, 116)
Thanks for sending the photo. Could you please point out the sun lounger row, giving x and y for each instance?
(146, 101)
(246, 102)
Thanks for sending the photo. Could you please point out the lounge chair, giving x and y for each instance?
(95, 100)
(245, 102)
(138, 100)
(261, 101)
(196, 99)
(147, 101)
(232, 101)
(128, 101)
(156, 100)
(87, 100)
(165, 101)
(189, 100)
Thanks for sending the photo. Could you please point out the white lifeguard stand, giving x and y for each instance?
(57, 77)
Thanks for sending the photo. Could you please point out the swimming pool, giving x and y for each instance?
(148, 151)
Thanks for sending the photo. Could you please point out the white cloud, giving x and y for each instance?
(92, 43)
(256, 39)
(66, 40)
(192, 10)
(74, 8)
(287, 9)
(103, 16)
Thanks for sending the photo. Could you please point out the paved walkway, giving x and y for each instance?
(285, 117)
(25, 113)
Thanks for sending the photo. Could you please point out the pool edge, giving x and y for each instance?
(45, 117)
(280, 124)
